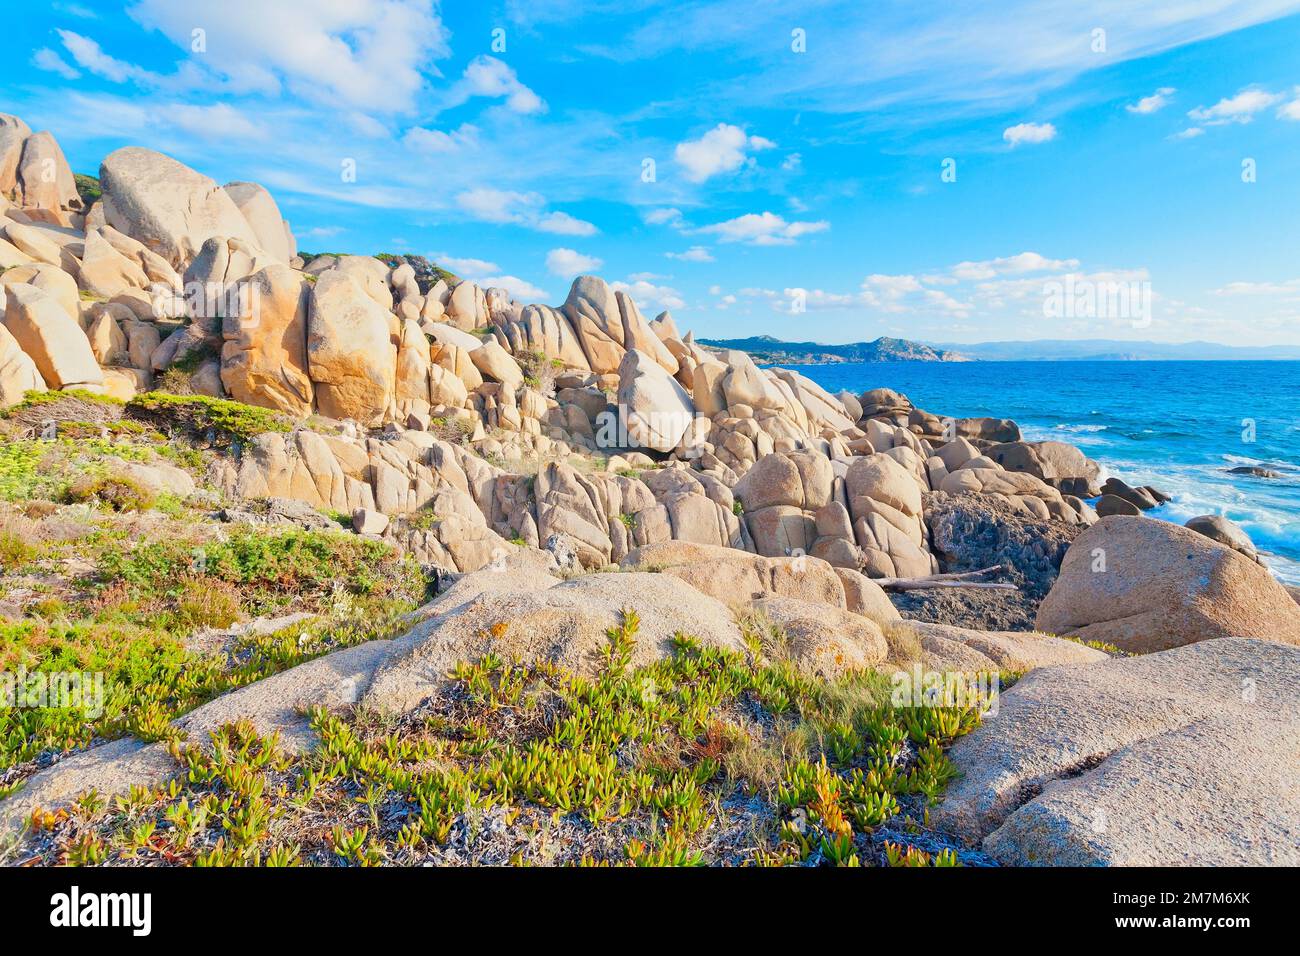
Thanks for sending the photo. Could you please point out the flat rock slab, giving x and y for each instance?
(1186, 757)
(564, 624)
(277, 704)
(110, 769)
(999, 650)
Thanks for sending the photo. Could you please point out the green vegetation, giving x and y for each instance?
(145, 600)
(117, 492)
(708, 757)
(455, 431)
(200, 416)
(539, 370)
(87, 188)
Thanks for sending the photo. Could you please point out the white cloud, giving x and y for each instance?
(1029, 133)
(693, 254)
(500, 205)
(648, 295)
(1288, 287)
(763, 229)
(1190, 133)
(492, 78)
(567, 263)
(1153, 103)
(1235, 109)
(88, 55)
(436, 141)
(792, 163)
(660, 217)
(1290, 111)
(519, 289)
(365, 54)
(46, 59)
(524, 209)
(720, 150)
(219, 121)
(562, 224)
(1011, 265)
(464, 267)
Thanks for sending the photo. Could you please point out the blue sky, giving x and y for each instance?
(798, 149)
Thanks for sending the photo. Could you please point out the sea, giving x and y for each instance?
(1179, 426)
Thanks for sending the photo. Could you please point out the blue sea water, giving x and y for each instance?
(1176, 425)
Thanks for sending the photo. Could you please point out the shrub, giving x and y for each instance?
(199, 416)
(115, 491)
(16, 551)
(207, 603)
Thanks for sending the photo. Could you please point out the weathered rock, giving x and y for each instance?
(592, 310)
(497, 364)
(735, 576)
(1005, 650)
(1109, 505)
(1225, 532)
(276, 704)
(565, 624)
(166, 205)
(263, 214)
(657, 409)
(822, 639)
(105, 271)
(45, 178)
(264, 358)
(351, 357)
(1146, 585)
(18, 373)
(110, 769)
(54, 341)
(1185, 757)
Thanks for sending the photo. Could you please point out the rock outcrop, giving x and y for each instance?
(1147, 585)
(1181, 758)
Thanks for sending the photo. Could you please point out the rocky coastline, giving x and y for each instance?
(193, 414)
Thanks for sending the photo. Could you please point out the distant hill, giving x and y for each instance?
(1115, 350)
(767, 349)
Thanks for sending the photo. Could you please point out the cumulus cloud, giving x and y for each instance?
(466, 268)
(1029, 133)
(1153, 103)
(519, 289)
(721, 150)
(648, 295)
(562, 224)
(1235, 109)
(567, 263)
(492, 78)
(763, 229)
(663, 217)
(1011, 265)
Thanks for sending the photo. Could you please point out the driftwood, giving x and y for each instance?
(964, 579)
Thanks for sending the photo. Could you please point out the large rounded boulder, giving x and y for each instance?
(1146, 585)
